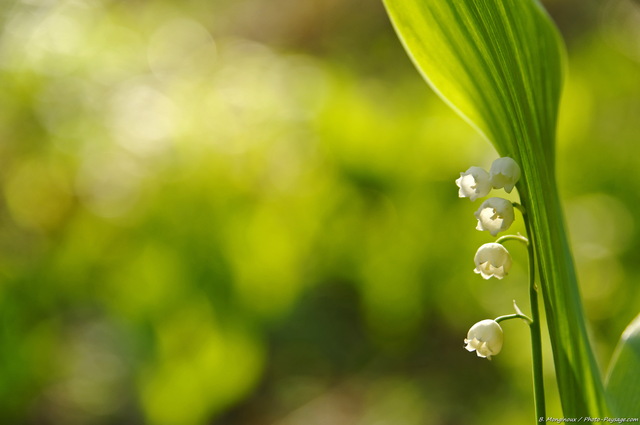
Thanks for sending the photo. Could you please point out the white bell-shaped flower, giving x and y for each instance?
(495, 215)
(492, 260)
(504, 172)
(485, 337)
(474, 183)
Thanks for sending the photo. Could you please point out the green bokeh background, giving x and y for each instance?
(243, 212)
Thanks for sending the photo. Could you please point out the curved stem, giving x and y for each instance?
(514, 316)
(536, 340)
(519, 207)
(505, 238)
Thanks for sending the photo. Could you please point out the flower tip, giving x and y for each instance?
(484, 356)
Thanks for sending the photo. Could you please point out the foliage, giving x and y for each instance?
(498, 63)
(623, 378)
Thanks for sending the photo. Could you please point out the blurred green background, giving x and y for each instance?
(243, 212)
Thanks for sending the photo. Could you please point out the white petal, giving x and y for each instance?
(486, 338)
(495, 215)
(492, 260)
(473, 183)
(505, 172)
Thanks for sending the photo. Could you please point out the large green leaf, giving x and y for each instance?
(499, 64)
(623, 379)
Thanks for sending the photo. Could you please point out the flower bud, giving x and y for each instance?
(492, 259)
(485, 337)
(505, 172)
(495, 215)
(474, 183)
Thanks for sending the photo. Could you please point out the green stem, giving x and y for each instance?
(520, 238)
(536, 339)
(513, 316)
(578, 377)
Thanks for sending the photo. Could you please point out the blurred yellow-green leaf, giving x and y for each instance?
(623, 378)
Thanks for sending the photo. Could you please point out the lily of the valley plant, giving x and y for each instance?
(493, 260)
(499, 64)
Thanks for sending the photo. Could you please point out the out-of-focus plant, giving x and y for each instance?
(499, 63)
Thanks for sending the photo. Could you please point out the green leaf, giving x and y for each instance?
(623, 379)
(499, 64)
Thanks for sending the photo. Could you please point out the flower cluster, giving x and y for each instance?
(494, 215)
(477, 183)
